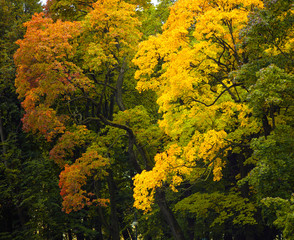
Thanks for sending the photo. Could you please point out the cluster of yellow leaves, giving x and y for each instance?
(197, 33)
(188, 66)
(110, 33)
(147, 182)
(64, 149)
(175, 165)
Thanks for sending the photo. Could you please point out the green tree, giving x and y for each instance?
(13, 215)
(268, 73)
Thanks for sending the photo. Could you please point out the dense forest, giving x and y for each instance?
(121, 120)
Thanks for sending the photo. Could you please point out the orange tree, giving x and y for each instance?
(70, 77)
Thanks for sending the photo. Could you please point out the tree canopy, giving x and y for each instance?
(178, 116)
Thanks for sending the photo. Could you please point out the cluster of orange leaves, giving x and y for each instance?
(64, 148)
(45, 72)
(75, 176)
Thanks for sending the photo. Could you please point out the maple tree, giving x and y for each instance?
(44, 74)
(217, 89)
(188, 66)
(70, 75)
(29, 194)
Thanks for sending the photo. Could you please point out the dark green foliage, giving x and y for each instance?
(269, 78)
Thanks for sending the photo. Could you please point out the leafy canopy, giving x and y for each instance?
(203, 108)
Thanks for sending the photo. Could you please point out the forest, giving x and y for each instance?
(129, 120)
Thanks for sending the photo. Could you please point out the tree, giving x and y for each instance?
(191, 67)
(215, 162)
(269, 74)
(70, 78)
(187, 66)
(224, 81)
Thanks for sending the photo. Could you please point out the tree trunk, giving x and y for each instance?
(160, 196)
(266, 126)
(119, 84)
(191, 228)
(2, 138)
(168, 215)
(69, 234)
(114, 224)
(80, 236)
(228, 236)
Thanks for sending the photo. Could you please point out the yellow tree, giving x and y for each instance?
(203, 107)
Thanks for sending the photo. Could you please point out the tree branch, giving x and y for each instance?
(229, 24)
(119, 85)
(208, 105)
(132, 139)
(100, 83)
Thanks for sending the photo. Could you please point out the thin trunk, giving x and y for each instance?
(266, 126)
(99, 228)
(111, 107)
(191, 227)
(2, 138)
(125, 234)
(119, 85)
(131, 153)
(168, 215)
(80, 236)
(69, 234)
(228, 236)
(272, 115)
(21, 216)
(141, 150)
(114, 224)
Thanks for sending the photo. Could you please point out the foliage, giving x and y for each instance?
(284, 211)
(48, 78)
(218, 208)
(272, 175)
(73, 177)
(204, 143)
(44, 74)
(70, 81)
(187, 66)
